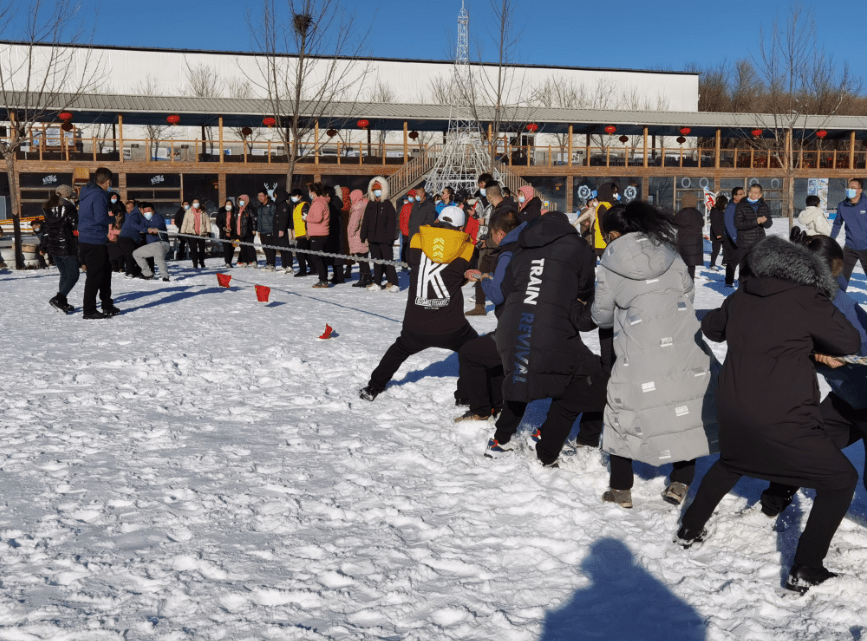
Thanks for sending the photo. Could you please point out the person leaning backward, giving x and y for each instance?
(93, 221)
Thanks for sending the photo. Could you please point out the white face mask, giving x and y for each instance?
(377, 193)
(312, 196)
(521, 199)
(186, 207)
(240, 203)
(114, 200)
(228, 206)
(148, 215)
(295, 199)
(195, 205)
(483, 192)
(410, 199)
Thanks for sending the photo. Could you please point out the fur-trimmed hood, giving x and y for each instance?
(777, 258)
(383, 183)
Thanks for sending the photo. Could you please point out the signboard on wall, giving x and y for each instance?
(819, 187)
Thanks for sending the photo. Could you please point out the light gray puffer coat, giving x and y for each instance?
(661, 406)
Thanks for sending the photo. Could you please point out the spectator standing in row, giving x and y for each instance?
(300, 209)
(224, 223)
(853, 212)
(731, 236)
(690, 224)
(244, 231)
(718, 232)
(752, 218)
(813, 219)
(358, 247)
(265, 228)
(405, 212)
(179, 221)
(318, 220)
(379, 230)
(197, 222)
(283, 228)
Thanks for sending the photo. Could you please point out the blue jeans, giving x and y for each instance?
(69, 272)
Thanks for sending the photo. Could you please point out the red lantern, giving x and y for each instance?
(65, 116)
(331, 133)
(363, 124)
(756, 132)
(413, 134)
(610, 129)
(246, 131)
(67, 126)
(624, 139)
(685, 131)
(821, 133)
(173, 119)
(680, 140)
(269, 121)
(532, 127)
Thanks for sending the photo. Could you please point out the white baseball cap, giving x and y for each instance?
(454, 216)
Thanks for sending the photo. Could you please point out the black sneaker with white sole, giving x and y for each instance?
(802, 578)
(368, 393)
(687, 538)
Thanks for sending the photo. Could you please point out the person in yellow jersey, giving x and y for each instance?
(300, 207)
(608, 194)
(439, 255)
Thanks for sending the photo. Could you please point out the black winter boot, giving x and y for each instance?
(802, 578)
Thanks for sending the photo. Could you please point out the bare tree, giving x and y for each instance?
(498, 92)
(309, 60)
(381, 93)
(799, 79)
(44, 75)
(150, 86)
(238, 88)
(203, 81)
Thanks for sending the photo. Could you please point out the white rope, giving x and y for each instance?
(852, 360)
(292, 248)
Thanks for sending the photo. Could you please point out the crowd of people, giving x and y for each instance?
(655, 393)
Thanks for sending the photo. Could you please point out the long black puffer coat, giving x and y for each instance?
(282, 212)
(61, 220)
(690, 243)
(551, 272)
(749, 231)
(770, 425)
(379, 224)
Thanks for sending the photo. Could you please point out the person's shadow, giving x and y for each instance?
(623, 601)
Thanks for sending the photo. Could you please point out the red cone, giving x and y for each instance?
(328, 330)
(223, 280)
(262, 293)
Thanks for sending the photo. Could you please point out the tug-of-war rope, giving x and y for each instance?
(291, 248)
(849, 360)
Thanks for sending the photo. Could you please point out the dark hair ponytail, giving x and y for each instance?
(641, 217)
(827, 249)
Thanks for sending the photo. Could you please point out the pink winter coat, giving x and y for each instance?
(318, 217)
(356, 215)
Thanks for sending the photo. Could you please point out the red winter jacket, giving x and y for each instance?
(472, 228)
(405, 211)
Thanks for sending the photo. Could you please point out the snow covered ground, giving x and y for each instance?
(201, 467)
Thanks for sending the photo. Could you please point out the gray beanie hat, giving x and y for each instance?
(64, 191)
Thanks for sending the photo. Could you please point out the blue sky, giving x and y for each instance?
(616, 33)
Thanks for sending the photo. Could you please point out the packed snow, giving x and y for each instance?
(201, 467)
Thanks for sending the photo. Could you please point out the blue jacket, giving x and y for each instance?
(134, 225)
(491, 286)
(855, 217)
(849, 382)
(731, 230)
(158, 222)
(93, 218)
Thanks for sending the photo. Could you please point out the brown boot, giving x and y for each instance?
(478, 310)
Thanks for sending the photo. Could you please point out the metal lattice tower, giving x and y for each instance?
(464, 156)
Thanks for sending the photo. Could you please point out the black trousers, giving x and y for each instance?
(408, 344)
(116, 256)
(182, 246)
(486, 264)
(384, 251)
(270, 254)
(128, 246)
(715, 247)
(363, 266)
(691, 270)
(228, 250)
(98, 277)
(317, 243)
(482, 373)
(404, 247)
(247, 253)
(734, 257)
(828, 511)
(852, 256)
(197, 251)
(584, 394)
(304, 260)
(622, 478)
(285, 254)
